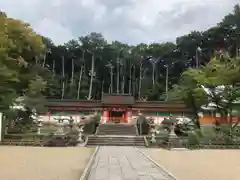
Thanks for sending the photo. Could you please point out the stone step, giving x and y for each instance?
(119, 129)
(125, 130)
(119, 140)
(116, 140)
(116, 132)
(116, 129)
(115, 144)
(116, 126)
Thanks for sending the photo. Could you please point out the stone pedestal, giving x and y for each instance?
(153, 133)
(39, 127)
(173, 140)
(80, 135)
(60, 128)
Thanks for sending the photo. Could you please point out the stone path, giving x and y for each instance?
(125, 163)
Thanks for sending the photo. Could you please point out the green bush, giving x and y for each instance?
(90, 126)
(193, 139)
(56, 140)
(30, 136)
(72, 137)
(142, 125)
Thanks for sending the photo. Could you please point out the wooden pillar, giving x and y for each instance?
(102, 116)
(105, 116)
(128, 116)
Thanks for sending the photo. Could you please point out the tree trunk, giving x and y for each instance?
(91, 80)
(63, 78)
(140, 83)
(72, 77)
(79, 82)
(130, 80)
(111, 85)
(195, 111)
(118, 61)
(53, 69)
(134, 81)
(123, 84)
(44, 60)
(166, 83)
(153, 74)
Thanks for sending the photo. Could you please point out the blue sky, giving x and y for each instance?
(130, 21)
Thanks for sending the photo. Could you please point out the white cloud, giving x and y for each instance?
(131, 21)
(53, 30)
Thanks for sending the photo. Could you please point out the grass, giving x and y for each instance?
(208, 131)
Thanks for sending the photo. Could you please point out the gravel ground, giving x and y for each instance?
(41, 163)
(199, 164)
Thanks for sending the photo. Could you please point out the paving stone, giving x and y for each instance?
(124, 163)
(145, 178)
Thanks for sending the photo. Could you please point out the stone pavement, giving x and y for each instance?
(125, 163)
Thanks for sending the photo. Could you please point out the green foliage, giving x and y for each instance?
(142, 125)
(19, 47)
(178, 56)
(28, 69)
(34, 98)
(193, 139)
(90, 126)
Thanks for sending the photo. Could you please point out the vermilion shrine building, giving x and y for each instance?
(120, 108)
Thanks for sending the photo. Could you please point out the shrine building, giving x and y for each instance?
(117, 108)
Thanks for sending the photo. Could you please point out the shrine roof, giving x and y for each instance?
(117, 99)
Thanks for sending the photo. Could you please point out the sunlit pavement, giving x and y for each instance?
(125, 163)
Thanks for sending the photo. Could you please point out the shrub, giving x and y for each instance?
(72, 137)
(56, 140)
(142, 125)
(90, 126)
(193, 139)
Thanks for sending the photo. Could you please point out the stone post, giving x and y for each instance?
(152, 131)
(80, 135)
(60, 126)
(173, 140)
(39, 127)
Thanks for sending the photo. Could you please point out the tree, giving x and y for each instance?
(19, 47)
(213, 83)
(190, 92)
(131, 68)
(220, 78)
(34, 98)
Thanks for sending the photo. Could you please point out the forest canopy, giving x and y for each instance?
(33, 67)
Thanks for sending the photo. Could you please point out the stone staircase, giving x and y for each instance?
(116, 129)
(111, 140)
(116, 135)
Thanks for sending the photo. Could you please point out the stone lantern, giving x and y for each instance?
(60, 127)
(39, 125)
(152, 130)
(80, 133)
